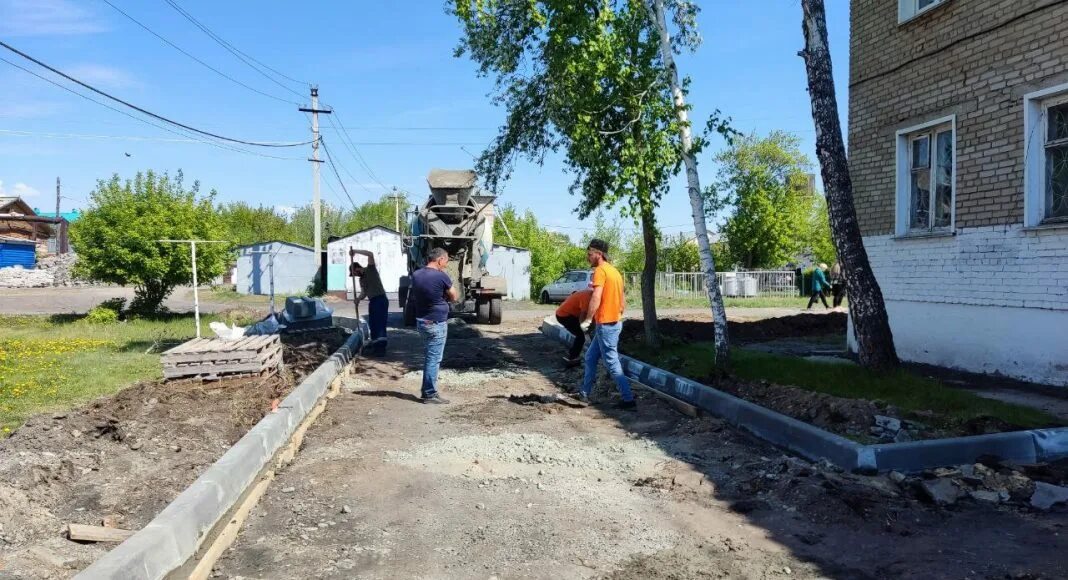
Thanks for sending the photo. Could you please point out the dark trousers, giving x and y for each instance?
(574, 326)
(377, 314)
(818, 294)
(839, 292)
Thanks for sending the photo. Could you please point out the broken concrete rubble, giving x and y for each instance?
(1047, 495)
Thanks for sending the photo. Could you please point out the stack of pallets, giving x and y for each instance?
(214, 358)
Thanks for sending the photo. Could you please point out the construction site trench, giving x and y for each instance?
(507, 481)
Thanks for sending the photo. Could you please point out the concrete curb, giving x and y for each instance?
(814, 443)
(175, 535)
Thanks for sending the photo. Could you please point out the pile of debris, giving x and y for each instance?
(50, 271)
(992, 481)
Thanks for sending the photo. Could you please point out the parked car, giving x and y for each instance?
(571, 282)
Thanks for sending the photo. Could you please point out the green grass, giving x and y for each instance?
(49, 364)
(229, 295)
(634, 301)
(901, 388)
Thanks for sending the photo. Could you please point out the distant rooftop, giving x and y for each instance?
(70, 216)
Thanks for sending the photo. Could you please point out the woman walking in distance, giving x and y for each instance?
(819, 284)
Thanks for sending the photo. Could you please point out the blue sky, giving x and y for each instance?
(388, 71)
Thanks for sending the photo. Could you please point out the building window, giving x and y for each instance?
(926, 178)
(1046, 157)
(909, 9)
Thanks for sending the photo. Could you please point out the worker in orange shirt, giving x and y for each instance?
(570, 315)
(606, 310)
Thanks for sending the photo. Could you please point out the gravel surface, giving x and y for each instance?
(509, 481)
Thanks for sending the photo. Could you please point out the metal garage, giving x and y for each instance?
(294, 268)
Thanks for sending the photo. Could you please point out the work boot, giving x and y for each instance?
(579, 397)
(628, 405)
(571, 363)
(435, 400)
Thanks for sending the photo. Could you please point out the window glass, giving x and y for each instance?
(943, 209)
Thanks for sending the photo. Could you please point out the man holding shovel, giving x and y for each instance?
(378, 303)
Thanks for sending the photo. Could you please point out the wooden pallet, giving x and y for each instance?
(214, 358)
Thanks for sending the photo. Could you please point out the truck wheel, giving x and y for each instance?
(495, 311)
(409, 314)
(544, 297)
(482, 311)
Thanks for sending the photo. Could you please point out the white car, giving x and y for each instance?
(571, 282)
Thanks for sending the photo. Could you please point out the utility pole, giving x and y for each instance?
(396, 197)
(315, 161)
(193, 252)
(59, 224)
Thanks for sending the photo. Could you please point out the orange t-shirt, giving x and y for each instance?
(611, 309)
(576, 304)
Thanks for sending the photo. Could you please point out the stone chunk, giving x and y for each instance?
(1047, 495)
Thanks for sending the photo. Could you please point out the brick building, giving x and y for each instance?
(958, 144)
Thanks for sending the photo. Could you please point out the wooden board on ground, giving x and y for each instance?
(680, 405)
(84, 533)
(215, 358)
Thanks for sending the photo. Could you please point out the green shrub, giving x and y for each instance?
(102, 315)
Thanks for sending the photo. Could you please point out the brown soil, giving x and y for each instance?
(126, 455)
(700, 328)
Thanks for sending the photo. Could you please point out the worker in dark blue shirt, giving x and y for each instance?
(431, 292)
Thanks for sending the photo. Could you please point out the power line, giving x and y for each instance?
(142, 110)
(145, 121)
(354, 151)
(330, 160)
(243, 57)
(202, 63)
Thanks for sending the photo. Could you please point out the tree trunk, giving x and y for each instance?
(697, 201)
(652, 325)
(870, 324)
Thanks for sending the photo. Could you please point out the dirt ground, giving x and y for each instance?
(506, 483)
(127, 456)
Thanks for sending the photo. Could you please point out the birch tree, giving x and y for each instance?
(871, 326)
(684, 19)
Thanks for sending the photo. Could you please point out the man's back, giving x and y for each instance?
(428, 294)
(611, 310)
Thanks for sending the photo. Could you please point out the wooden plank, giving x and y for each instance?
(680, 405)
(183, 347)
(176, 359)
(84, 533)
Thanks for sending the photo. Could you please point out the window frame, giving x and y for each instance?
(1036, 105)
(903, 177)
(910, 9)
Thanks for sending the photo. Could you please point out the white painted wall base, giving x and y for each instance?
(1025, 343)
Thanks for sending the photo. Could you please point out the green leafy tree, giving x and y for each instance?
(585, 79)
(246, 224)
(117, 238)
(551, 253)
(681, 254)
(381, 212)
(819, 241)
(764, 184)
(302, 224)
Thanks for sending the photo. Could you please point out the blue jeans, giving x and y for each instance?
(434, 335)
(605, 344)
(377, 313)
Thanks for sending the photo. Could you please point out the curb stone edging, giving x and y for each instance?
(175, 535)
(1032, 446)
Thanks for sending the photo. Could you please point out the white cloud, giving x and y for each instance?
(46, 18)
(18, 190)
(285, 210)
(103, 76)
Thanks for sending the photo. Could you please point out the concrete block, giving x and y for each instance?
(1050, 444)
(193, 514)
(147, 555)
(1017, 446)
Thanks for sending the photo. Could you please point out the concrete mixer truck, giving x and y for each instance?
(459, 218)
